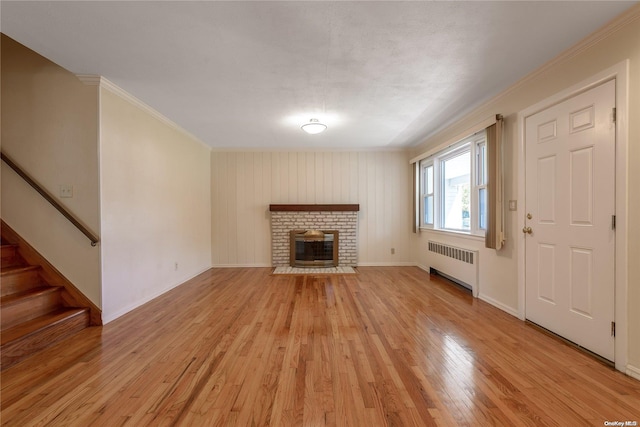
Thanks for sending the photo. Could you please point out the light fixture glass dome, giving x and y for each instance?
(313, 127)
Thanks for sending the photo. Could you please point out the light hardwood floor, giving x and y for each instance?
(388, 346)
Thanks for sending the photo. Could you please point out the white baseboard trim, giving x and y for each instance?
(109, 317)
(633, 372)
(387, 264)
(240, 265)
(510, 310)
(361, 264)
(422, 267)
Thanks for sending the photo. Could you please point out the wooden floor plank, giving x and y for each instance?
(388, 346)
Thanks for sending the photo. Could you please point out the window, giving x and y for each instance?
(481, 182)
(427, 194)
(453, 188)
(455, 173)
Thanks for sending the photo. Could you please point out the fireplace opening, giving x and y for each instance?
(314, 248)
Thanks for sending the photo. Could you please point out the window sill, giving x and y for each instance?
(461, 234)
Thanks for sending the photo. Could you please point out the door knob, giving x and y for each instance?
(527, 230)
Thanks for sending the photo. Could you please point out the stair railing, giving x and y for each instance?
(49, 198)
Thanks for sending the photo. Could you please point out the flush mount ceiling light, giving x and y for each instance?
(313, 127)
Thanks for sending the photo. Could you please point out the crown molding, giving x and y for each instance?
(102, 82)
(89, 79)
(594, 38)
(284, 149)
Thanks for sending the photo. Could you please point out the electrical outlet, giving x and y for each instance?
(175, 266)
(393, 251)
(513, 205)
(66, 191)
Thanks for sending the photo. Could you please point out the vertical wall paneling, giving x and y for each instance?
(276, 186)
(265, 227)
(243, 226)
(346, 185)
(365, 213)
(303, 195)
(310, 172)
(232, 208)
(352, 168)
(319, 177)
(245, 183)
(292, 178)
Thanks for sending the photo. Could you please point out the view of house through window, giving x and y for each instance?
(456, 183)
(453, 187)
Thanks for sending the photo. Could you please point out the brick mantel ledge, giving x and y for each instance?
(314, 208)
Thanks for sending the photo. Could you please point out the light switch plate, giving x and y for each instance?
(66, 191)
(513, 205)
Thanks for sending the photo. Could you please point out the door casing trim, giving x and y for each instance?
(619, 73)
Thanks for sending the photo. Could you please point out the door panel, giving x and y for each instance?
(570, 188)
(546, 190)
(546, 273)
(581, 186)
(580, 280)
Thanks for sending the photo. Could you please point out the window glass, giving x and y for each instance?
(482, 201)
(481, 161)
(428, 210)
(481, 183)
(427, 196)
(430, 180)
(456, 187)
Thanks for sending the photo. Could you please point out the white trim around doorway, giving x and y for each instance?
(619, 73)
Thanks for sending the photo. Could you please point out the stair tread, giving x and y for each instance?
(33, 325)
(34, 312)
(16, 269)
(23, 295)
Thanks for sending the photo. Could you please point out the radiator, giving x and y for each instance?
(458, 264)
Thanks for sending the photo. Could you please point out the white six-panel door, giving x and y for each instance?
(570, 202)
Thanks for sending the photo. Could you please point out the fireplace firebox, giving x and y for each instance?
(314, 248)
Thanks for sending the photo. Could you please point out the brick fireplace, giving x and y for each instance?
(342, 218)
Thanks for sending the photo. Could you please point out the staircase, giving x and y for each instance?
(33, 314)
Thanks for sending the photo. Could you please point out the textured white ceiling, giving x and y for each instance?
(248, 74)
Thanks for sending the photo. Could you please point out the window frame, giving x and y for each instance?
(472, 144)
(424, 166)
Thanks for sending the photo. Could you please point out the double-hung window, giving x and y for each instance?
(481, 182)
(453, 189)
(426, 186)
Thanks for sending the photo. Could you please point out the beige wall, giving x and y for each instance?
(499, 274)
(155, 205)
(140, 183)
(50, 128)
(243, 185)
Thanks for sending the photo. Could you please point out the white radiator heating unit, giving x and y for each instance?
(457, 264)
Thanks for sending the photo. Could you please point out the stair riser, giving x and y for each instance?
(10, 261)
(9, 256)
(30, 308)
(34, 314)
(17, 350)
(19, 282)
